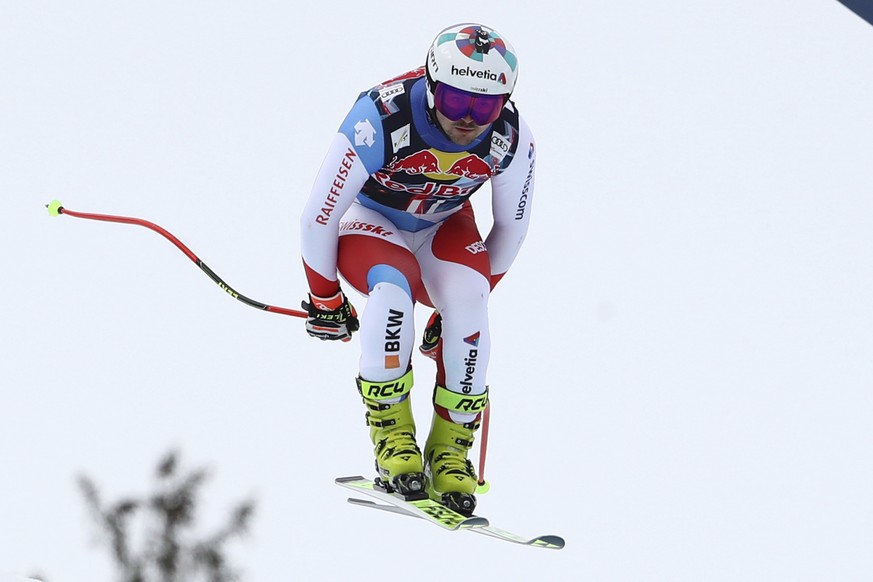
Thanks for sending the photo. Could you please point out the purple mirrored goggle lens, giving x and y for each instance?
(456, 104)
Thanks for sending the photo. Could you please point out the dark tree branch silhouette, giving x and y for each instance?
(168, 553)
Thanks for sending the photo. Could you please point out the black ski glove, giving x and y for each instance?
(331, 318)
(431, 336)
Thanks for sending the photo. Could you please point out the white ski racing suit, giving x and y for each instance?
(390, 211)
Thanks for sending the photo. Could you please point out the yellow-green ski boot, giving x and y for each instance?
(392, 431)
(451, 478)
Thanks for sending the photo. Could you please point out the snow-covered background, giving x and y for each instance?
(682, 375)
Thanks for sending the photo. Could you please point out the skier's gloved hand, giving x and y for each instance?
(431, 336)
(330, 318)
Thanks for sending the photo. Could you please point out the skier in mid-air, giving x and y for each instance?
(390, 212)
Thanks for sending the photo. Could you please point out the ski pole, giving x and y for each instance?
(55, 208)
(484, 486)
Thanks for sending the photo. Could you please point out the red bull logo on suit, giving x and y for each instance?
(439, 165)
(435, 180)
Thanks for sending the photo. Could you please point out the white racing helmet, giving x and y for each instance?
(473, 58)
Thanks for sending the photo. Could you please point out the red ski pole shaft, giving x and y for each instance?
(55, 209)
(483, 442)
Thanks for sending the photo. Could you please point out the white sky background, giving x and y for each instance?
(683, 353)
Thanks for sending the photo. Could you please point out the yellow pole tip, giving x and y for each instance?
(54, 207)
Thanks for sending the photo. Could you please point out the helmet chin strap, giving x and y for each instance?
(429, 84)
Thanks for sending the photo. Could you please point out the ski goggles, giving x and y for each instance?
(456, 104)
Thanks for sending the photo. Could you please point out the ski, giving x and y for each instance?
(549, 541)
(480, 525)
(546, 541)
(424, 508)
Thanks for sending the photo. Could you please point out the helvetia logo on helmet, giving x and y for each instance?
(486, 74)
